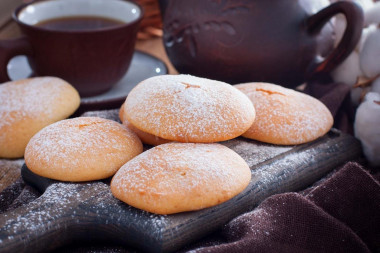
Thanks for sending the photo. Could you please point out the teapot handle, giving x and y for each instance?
(354, 19)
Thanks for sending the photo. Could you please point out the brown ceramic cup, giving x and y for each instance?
(92, 60)
(280, 41)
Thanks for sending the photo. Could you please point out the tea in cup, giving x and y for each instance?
(88, 43)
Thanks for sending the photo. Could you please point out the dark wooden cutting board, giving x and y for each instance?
(72, 212)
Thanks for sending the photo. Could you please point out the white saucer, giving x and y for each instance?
(142, 67)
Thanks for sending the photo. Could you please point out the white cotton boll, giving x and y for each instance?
(365, 4)
(339, 28)
(366, 126)
(375, 86)
(348, 71)
(372, 15)
(365, 32)
(370, 55)
(371, 97)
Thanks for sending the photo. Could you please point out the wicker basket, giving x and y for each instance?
(151, 25)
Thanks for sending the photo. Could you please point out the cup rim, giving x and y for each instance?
(17, 11)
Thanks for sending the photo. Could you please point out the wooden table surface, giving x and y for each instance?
(9, 30)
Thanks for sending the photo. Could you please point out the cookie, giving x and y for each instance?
(285, 116)
(178, 177)
(27, 106)
(81, 149)
(186, 108)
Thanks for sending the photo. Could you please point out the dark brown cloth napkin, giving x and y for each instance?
(340, 215)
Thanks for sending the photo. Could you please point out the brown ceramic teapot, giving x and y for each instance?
(276, 41)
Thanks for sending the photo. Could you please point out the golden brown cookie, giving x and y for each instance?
(81, 149)
(179, 177)
(285, 116)
(186, 108)
(28, 105)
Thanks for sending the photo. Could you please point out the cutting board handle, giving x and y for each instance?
(28, 228)
(61, 215)
(39, 226)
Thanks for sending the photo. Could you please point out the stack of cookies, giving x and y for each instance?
(184, 116)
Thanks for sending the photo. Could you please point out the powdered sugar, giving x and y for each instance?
(254, 152)
(9, 169)
(188, 108)
(281, 170)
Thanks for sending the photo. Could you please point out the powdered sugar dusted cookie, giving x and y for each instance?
(28, 105)
(179, 177)
(186, 108)
(81, 149)
(285, 116)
